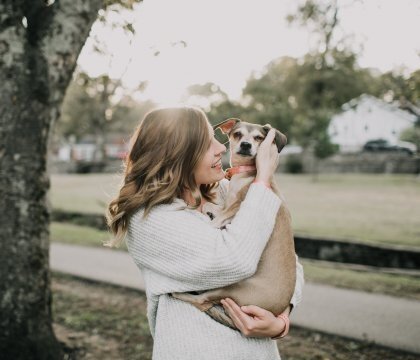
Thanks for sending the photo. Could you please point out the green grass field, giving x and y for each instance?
(396, 285)
(369, 208)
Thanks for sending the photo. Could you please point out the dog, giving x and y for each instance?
(272, 286)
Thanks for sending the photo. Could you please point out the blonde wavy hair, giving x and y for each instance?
(164, 151)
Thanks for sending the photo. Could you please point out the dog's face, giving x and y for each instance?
(245, 139)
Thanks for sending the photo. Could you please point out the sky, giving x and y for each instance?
(228, 40)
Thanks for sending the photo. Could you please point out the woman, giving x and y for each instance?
(172, 169)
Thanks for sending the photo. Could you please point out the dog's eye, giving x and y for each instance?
(258, 138)
(237, 134)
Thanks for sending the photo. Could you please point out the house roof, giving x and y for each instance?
(394, 107)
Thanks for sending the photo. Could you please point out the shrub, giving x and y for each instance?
(294, 165)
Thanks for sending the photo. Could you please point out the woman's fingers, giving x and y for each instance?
(231, 312)
(267, 157)
(245, 320)
(263, 324)
(266, 143)
(269, 138)
(253, 310)
(276, 155)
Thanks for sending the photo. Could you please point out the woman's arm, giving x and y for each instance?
(254, 321)
(182, 246)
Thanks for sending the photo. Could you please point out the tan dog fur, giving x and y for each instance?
(272, 286)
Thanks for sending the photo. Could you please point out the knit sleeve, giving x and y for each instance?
(179, 245)
(223, 188)
(300, 281)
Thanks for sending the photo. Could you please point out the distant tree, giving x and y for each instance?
(97, 107)
(39, 45)
(214, 101)
(299, 96)
(412, 135)
(226, 109)
(321, 18)
(80, 110)
(127, 114)
(413, 84)
(326, 78)
(394, 85)
(204, 95)
(272, 95)
(88, 109)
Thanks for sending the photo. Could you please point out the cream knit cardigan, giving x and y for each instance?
(179, 250)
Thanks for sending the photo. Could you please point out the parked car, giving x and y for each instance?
(385, 145)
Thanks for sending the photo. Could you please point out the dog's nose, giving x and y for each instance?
(246, 145)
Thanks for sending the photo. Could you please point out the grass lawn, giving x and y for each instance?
(79, 235)
(406, 286)
(375, 282)
(99, 321)
(370, 208)
(96, 321)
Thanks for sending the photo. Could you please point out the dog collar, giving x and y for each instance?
(238, 169)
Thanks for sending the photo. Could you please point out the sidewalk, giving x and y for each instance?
(386, 320)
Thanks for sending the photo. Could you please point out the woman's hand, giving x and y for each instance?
(252, 320)
(267, 158)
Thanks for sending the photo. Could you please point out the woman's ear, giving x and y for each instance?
(227, 125)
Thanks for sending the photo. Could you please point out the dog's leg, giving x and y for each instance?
(218, 313)
(198, 301)
(215, 311)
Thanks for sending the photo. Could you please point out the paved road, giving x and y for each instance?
(386, 320)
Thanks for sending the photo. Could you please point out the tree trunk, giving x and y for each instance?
(39, 45)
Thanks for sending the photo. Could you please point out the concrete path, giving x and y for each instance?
(386, 320)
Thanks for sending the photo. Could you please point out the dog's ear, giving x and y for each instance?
(227, 125)
(266, 128)
(279, 138)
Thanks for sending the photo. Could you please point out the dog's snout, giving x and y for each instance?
(246, 145)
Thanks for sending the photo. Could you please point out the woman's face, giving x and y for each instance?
(209, 169)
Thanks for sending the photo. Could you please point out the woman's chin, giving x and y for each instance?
(214, 175)
(220, 175)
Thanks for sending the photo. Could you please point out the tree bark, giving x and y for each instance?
(39, 46)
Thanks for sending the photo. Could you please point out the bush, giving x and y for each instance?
(294, 165)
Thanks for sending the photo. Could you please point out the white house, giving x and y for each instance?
(368, 118)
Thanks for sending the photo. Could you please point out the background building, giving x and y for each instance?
(368, 118)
